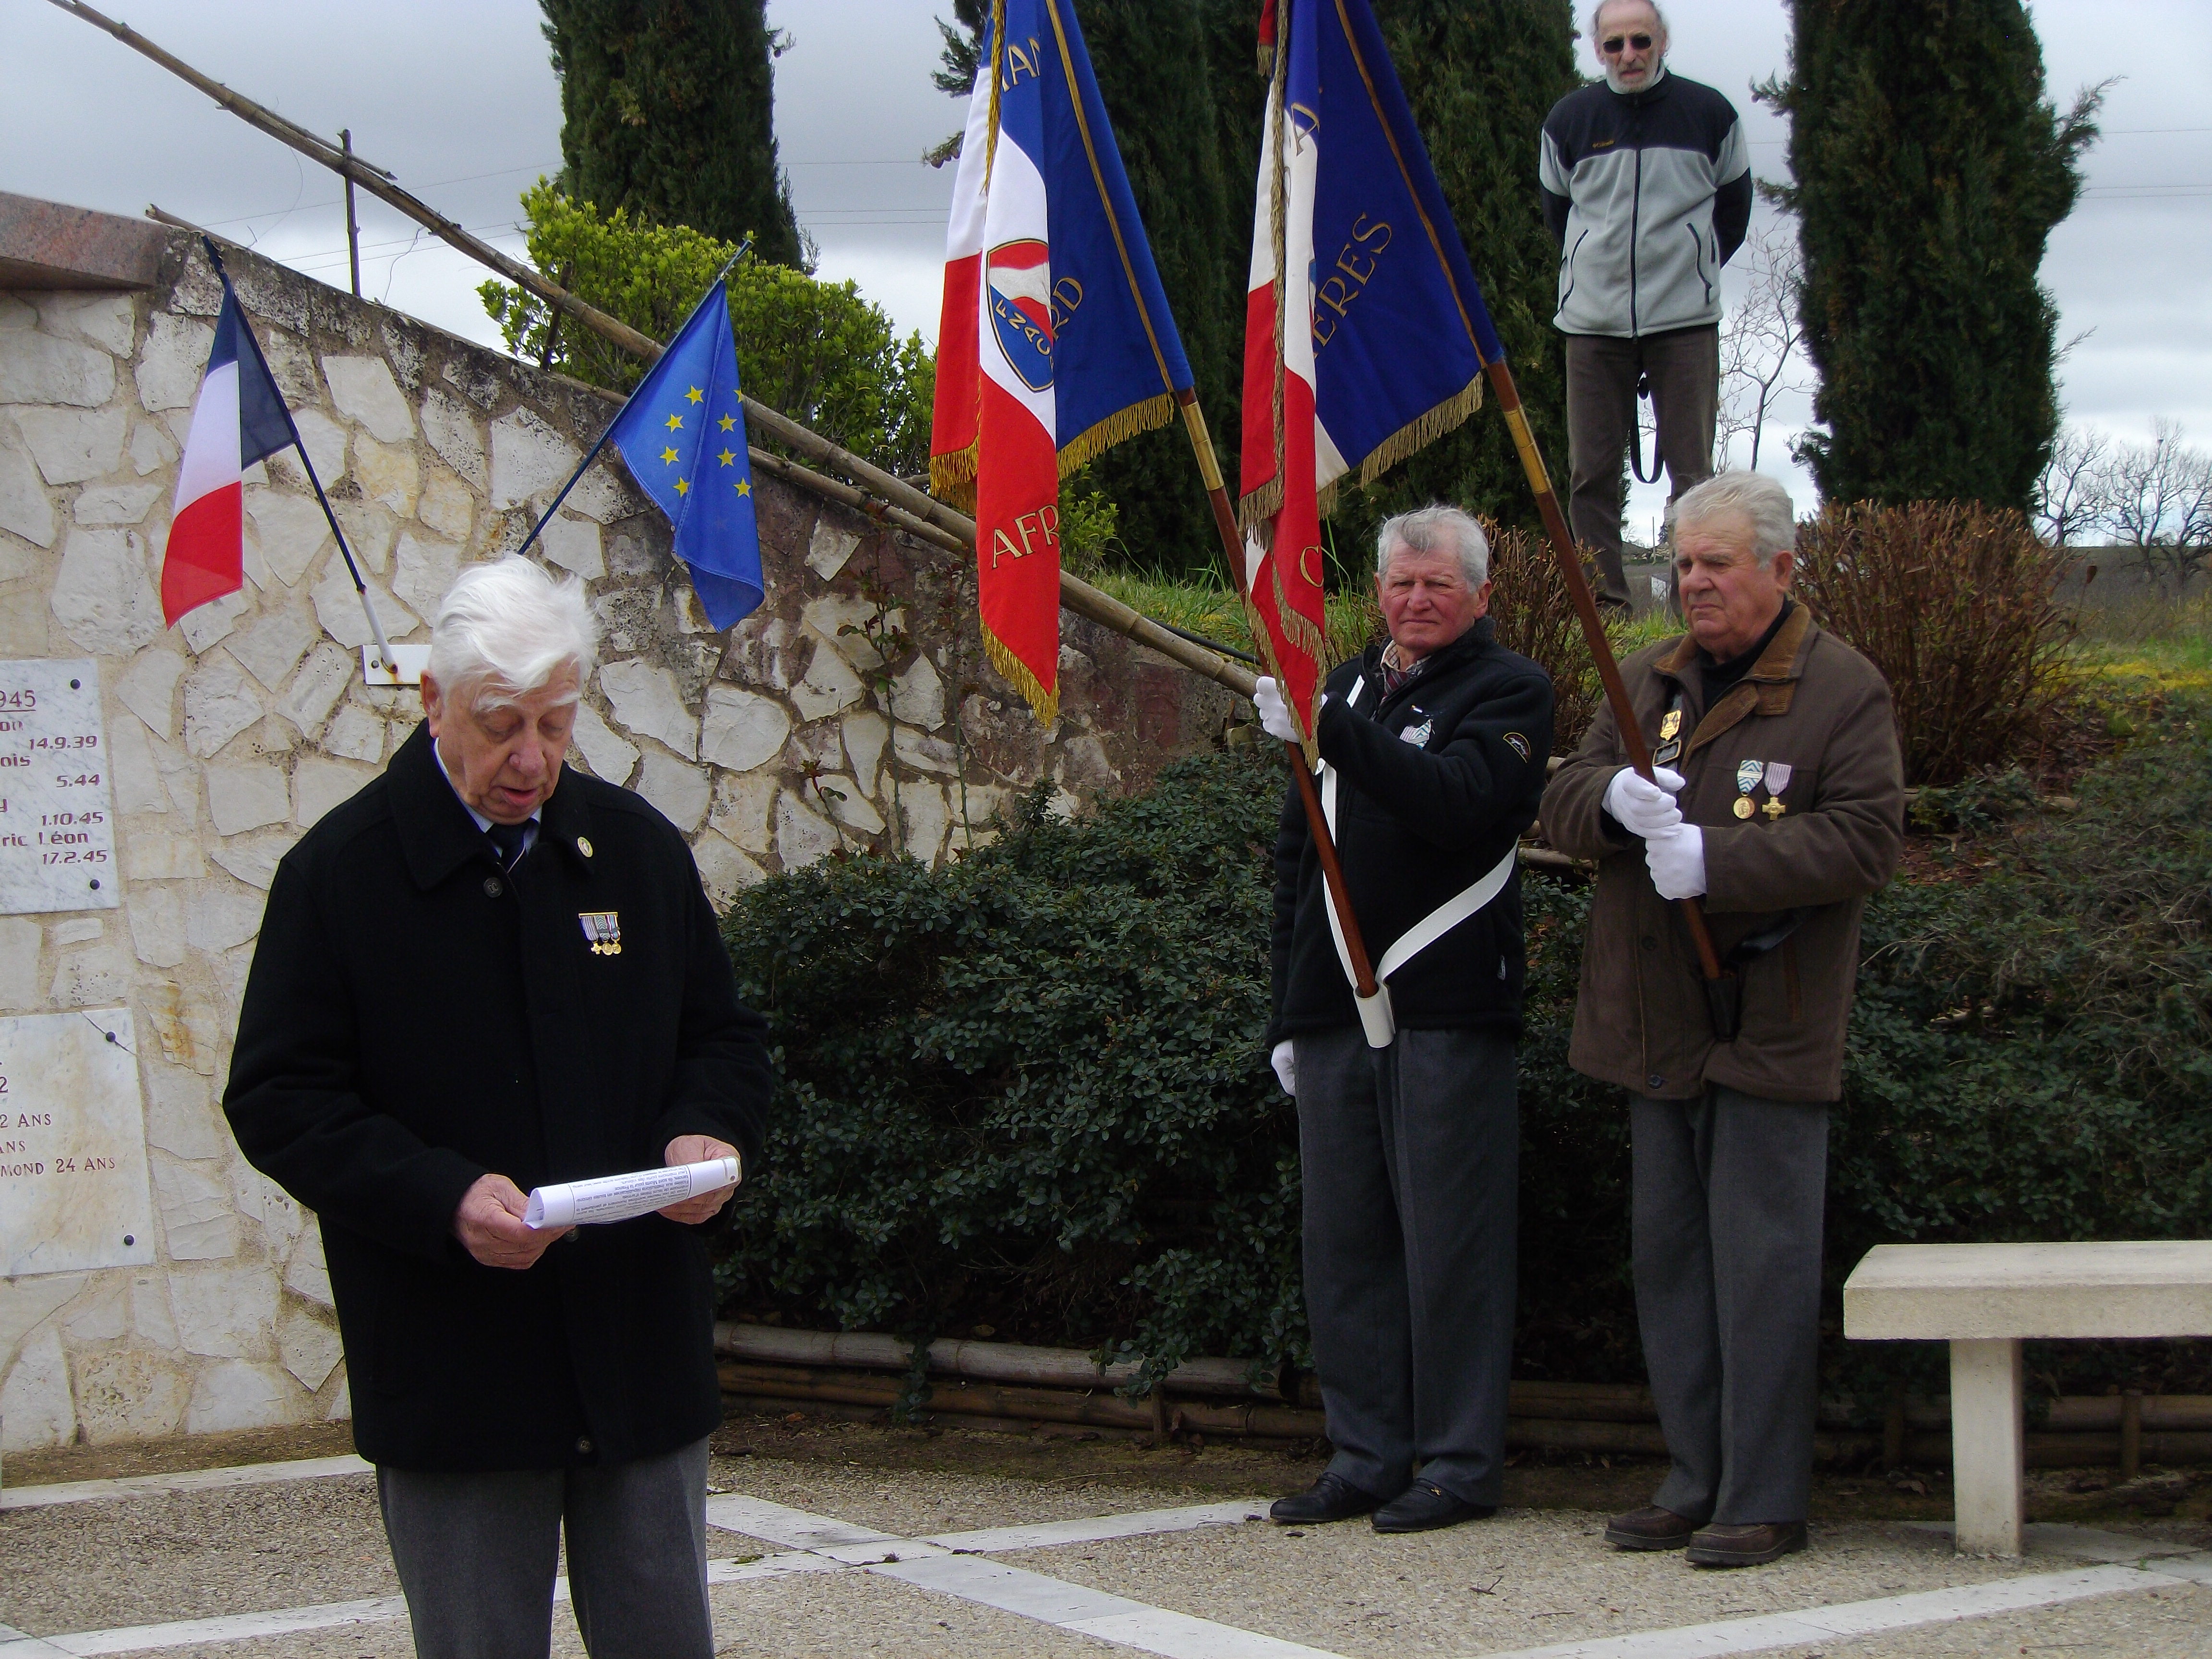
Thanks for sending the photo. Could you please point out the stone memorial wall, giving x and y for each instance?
(151, 1281)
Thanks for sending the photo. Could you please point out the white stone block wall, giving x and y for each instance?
(855, 711)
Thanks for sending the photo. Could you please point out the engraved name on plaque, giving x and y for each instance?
(73, 1177)
(56, 825)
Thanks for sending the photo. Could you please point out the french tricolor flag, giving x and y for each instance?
(239, 419)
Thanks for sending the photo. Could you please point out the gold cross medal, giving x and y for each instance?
(1747, 774)
(604, 929)
(1777, 780)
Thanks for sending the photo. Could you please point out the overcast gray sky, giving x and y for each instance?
(458, 100)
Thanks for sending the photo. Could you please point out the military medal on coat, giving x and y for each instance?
(1747, 774)
(1777, 780)
(604, 929)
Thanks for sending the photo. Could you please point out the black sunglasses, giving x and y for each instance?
(1614, 44)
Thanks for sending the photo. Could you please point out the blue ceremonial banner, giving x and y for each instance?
(683, 435)
(1073, 302)
(1399, 331)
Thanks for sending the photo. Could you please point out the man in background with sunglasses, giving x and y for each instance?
(1647, 185)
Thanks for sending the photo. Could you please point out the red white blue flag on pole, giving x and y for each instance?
(1365, 333)
(1055, 342)
(237, 419)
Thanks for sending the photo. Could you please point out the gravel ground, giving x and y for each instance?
(1522, 1580)
(1527, 1578)
(192, 1555)
(2167, 1624)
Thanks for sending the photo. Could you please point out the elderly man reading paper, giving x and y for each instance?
(1779, 804)
(1433, 748)
(481, 974)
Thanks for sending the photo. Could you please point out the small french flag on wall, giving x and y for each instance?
(239, 419)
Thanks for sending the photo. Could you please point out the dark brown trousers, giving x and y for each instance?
(1685, 367)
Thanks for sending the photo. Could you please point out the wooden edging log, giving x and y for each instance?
(1015, 1388)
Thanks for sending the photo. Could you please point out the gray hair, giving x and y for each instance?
(1597, 17)
(1763, 503)
(506, 629)
(1436, 530)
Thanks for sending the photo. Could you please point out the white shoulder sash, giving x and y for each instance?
(1440, 920)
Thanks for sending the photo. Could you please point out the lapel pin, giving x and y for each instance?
(584, 845)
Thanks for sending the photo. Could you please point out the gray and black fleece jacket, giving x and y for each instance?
(1649, 195)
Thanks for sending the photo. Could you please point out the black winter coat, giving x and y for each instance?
(416, 1018)
(1417, 821)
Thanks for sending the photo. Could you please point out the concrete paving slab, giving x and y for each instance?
(1525, 1579)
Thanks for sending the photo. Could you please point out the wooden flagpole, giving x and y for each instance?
(1609, 669)
(1232, 549)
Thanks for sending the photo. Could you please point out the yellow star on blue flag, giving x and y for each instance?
(716, 534)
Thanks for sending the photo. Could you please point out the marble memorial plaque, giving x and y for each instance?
(56, 824)
(73, 1177)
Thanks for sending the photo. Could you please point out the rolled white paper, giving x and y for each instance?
(618, 1198)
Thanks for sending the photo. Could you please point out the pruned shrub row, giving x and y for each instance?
(1028, 1089)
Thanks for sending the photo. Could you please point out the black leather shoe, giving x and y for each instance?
(1649, 1528)
(1332, 1498)
(1425, 1506)
(1751, 1545)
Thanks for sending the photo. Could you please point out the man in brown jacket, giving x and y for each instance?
(1779, 804)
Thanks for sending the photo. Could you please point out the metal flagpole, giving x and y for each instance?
(384, 654)
(607, 431)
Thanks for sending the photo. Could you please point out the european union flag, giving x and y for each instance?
(682, 433)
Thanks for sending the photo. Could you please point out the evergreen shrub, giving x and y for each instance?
(1028, 1089)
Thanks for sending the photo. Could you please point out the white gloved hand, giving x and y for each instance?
(1286, 1067)
(1644, 808)
(1677, 861)
(1274, 709)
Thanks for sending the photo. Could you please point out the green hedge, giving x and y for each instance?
(1027, 1090)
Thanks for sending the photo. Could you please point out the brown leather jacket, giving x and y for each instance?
(1817, 707)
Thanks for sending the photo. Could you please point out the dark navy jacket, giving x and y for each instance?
(1649, 195)
(416, 1018)
(1436, 784)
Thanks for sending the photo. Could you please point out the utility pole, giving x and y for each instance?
(353, 225)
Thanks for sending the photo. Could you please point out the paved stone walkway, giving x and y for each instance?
(288, 1558)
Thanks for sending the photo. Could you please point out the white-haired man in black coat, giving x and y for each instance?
(482, 974)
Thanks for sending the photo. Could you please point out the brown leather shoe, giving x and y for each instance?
(1753, 1546)
(1649, 1528)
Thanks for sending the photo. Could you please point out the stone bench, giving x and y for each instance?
(1984, 1299)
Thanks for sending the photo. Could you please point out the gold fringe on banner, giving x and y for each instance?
(952, 478)
(1420, 433)
(1261, 505)
(1044, 704)
(1146, 416)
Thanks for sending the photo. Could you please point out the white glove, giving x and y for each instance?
(1274, 709)
(1285, 1063)
(1643, 808)
(1677, 861)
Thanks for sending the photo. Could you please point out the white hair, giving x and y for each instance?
(1436, 530)
(506, 629)
(1597, 16)
(1761, 501)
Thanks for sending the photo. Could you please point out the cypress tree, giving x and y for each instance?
(1929, 169)
(1482, 76)
(667, 109)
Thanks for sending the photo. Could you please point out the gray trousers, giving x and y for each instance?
(477, 1556)
(1729, 1195)
(1685, 366)
(1410, 1157)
